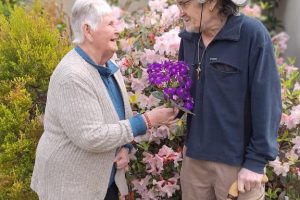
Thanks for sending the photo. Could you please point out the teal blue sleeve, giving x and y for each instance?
(138, 125)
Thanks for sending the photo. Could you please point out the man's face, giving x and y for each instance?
(190, 12)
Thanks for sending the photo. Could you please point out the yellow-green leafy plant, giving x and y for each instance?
(30, 48)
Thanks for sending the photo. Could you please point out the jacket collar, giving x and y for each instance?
(230, 31)
(104, 71)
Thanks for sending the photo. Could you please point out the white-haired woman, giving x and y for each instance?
(88, 119)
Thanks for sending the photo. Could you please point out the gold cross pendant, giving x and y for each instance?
(198, 72)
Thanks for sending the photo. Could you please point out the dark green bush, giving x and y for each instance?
(30, 48)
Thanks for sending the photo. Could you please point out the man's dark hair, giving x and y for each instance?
(226, 8)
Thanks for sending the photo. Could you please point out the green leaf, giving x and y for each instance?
(159, 95)
(181, 108)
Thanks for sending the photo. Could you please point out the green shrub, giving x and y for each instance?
(19, 134)
(30, 48)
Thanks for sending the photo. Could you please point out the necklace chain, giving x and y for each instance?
(199, 60)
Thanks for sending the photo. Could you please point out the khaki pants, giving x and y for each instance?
(207, 180)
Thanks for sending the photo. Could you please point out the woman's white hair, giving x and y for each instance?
(88, 12)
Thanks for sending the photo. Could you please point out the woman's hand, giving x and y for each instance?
(122, 158)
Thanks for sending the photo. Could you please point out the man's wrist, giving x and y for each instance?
(254, 165)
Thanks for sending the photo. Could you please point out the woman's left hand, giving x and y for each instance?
(122, 158)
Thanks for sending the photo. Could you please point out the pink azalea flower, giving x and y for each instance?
(163, 132)
(154, 164)
(144, 78)
(293, 155)
(294, 117)
(147, 102)
(296, 140)
(290, 69)
(150, 56)
(279, 167)
(281, 40)
(298, 172)
(157, 5)
(140, 186)
(167, 187)
(137, 85)
(284, 119)
(126, 44)
(169, 155)
(153, 137)
(125, 63)
(150, 20)
(169, 16)
(132, 154)
(254, 11)
(168, 43)
(143, 101)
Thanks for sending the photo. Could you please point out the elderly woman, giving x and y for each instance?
(88, 119)
(237, 107)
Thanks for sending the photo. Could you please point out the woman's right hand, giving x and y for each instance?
(162, 116)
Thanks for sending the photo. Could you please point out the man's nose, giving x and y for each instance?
(181, 12)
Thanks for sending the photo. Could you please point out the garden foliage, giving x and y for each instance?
(30, 48)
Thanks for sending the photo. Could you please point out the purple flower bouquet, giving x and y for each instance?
(172, 83)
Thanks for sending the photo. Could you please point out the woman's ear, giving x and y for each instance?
(87, 32)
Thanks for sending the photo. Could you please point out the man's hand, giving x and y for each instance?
(248, 179)
(122, 158)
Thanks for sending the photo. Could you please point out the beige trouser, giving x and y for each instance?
(207, 180)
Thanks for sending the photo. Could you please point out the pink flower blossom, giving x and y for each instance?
(167, 187)
(169, 16)
(293, 155)
(294, 118)
(126, 44)
(141, 187)
(298, 172)
(254, 11)
(132, 154)
(279, 167)
(162, 132)
(290, 69)
(157, 5)
(296, 140)
(281, 40)
(284, 119)
(147, 102)
(154, 164)
(150, 56)
(150, 20)
(168, 43)
(137, 85)
(125, 63)
(169, 155)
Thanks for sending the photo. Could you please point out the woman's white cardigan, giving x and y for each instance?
(75, 154)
